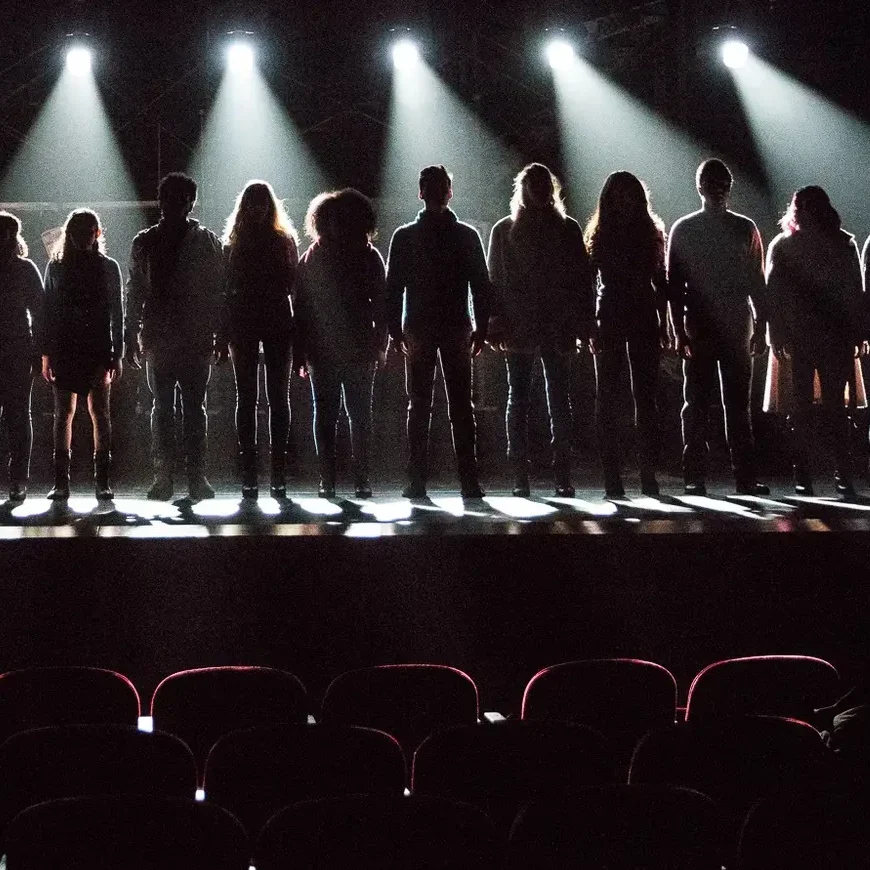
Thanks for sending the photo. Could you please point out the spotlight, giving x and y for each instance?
(560, 54)
(240, 57)
(406, 55)
(735, 53)
(79, 60)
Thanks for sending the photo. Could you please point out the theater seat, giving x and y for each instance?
(130, 832)
(201, 705)
(71, 760)
(499, 767)
(387, 832)
(38, 697)
(763, 685)
(620, 827)
(407, 701)
(255, 772)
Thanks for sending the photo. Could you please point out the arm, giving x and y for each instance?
(34, 299)
(855, 288)
(377, 284)
(137, 293)
(300, 315)
(676, 278)
(497, 266)
(865, 272)
(757, 290)
(396, 283)
(481, 294)
(47, 338)
(116, 308)
(217, 278)
(660, 284)
(778, 299)
(587, 284)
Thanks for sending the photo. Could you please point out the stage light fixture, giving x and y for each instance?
(240, 57)
(735, 53)
(560, 54)
(79, 60)
(406, 54)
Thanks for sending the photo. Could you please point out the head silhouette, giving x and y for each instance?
(257, 213)
(12, 243)
(177, 196)
(536, 188)
(811, 210)
(82, 233)
(436, 187)
(714, 181)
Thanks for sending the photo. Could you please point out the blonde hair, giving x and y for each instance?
(278, 220)
(536, 171)
(80, 216)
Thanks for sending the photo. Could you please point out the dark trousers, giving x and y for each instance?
(643, 354)
(16, 382)
(191, 373)
(557, 368)
(245, 355)
(424, 353)
(733, 367)
(352, 384)
(836, 369)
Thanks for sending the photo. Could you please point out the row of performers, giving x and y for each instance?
(624, 289)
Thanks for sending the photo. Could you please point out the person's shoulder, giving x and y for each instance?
(686, 223)
(374, 256)
(468, 230)
(110, 264)
(742, 221)
(405, 231)
(26, 266)
(206, 234)
(145, 236)
(780, 242)
(503, 225)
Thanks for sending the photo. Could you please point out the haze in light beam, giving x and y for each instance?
(605, 129)
(805, 139)
(430, 125)
(249, 135)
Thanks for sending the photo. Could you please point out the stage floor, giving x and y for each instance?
(444, 512)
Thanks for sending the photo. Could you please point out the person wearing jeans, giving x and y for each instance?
(542, 291)
(174, 293)
(435, 264)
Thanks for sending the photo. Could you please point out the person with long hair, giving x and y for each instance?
(174, 299)
(20, 360)
(82, 342)
(341, 331)
(438, 298)
(542, 304)
(818, 319)
(717, 302)
(626, 241)
(261, 255)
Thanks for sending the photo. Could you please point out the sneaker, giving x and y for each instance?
(161, 489)
(613, 487)
(844, 486)
(471, 490)
(649, 485)
(565, 490)
(326, 490)
(754, 488)
(199, 488)
(363, 489)
(17, 493)
(415, 489)
(278, 491)
(695, 487)
(803, 486)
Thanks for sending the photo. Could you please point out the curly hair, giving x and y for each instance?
(177, 183)
(536, 174)
(80, 219)
(811, 206)
(624, 222)
(343, 216)
(278, 223)
(12, 226)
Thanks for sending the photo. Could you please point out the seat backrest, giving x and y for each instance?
(780, 685)
(71, 760)
(407, 701)
(620, 827)
(38, 697)
(201, 705)
(498, 767)
(135, 832)
(377, 831)
(621, 698)
(735, 761)
(807, 831)
(255, 772)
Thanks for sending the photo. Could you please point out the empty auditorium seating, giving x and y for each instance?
(621, 698)
(36, 697)
(70, 760)
(255, 772)
(763, 685)
(735, 761)
(620, 827)
(131, 832)
(387, 832)
(407, 701)
(203, 704)
(499, 767)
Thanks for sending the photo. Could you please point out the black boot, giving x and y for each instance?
(562, 477)
(648, 484)
(803, 484)
(248, 468)
(102, 462)
(522, 487)
(60, 490)
(278, 479)
(844, 485)
(327, 479)
(198, 487)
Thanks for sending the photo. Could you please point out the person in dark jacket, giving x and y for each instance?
(20, 360)
(174, 299)
(260, 254)
(626, 241)
(82, 342)
(542, 305)
(341, 331)
(818, 318)
(432, 265)
(717, 298)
